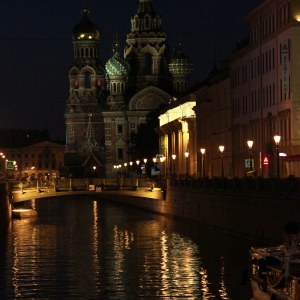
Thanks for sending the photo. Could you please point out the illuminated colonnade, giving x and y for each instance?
(177, 134)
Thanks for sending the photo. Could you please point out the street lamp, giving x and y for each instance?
(3, 169)
(125, 165)
(250, 144)
(221, 148)
(277, 138)
(162, 159)
(186, 154)
(138, 162)
(203, 161)
(131, 168)
(115, 167)
(174, 157)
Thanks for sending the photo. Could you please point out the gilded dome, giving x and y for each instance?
(85, 29)
(116, 65)
(180, 64)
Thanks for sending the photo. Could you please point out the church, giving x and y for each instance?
(108, 102)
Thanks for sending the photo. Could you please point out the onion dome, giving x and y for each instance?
(85, 29)
(180, 64)
(116, 65)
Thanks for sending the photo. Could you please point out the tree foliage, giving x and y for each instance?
(145, 143)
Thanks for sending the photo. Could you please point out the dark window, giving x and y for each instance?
(120, 153)
(120, 128)
(87, 80)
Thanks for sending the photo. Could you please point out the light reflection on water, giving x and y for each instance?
(86, 249)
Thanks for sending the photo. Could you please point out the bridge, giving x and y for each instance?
(23, 191)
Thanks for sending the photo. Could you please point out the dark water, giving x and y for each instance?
(84, 248)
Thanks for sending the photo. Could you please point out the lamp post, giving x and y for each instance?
(130, 168)
(162, 159)
(174, 157)
(221, 148)
(3, 169)
(138, 162)
(203, 161)
(145, 161)
(125, 165)
(277, 138)
(186, 154)
(250, 144)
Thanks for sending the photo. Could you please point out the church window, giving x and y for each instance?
(148, 64)
(120, 153)
(120, 129)
(76, 84)
(87, 80)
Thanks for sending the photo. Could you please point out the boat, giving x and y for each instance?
(24, 212)
(275, 271)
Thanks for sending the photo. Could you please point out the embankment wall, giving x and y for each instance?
(5, 208)
(252, 208)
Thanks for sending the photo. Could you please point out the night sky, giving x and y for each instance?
(37, 50)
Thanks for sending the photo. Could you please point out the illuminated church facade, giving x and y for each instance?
(108, 102)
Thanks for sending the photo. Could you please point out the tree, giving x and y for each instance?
(145, 143)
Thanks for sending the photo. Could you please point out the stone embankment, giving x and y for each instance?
(252, 207)
(5, 207)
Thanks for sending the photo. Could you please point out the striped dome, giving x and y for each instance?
(117, 66)
(180, 64)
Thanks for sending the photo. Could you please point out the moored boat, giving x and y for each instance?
(275, 271)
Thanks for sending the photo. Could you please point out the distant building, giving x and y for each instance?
(39, 160)
(107, 103)
(199, 118)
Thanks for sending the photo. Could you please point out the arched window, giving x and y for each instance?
(87, 80)
(148, 64)
(76, 84)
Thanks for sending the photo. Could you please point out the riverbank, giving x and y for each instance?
(5, 208)
(252, 207)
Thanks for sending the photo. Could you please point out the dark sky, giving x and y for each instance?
(37, 50)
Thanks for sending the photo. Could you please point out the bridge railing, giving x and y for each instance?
(85, 184)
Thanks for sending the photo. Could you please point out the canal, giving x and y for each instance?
(86, 248)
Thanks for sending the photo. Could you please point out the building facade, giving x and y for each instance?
(255, 101)
(107, 103)
(39, 160)
(265, 89)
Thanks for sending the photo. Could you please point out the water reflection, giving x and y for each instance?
(95, 250)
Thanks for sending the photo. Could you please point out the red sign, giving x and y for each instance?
(266, 160)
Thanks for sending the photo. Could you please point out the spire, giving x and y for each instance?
(90, 141)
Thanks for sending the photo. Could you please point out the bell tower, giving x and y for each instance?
(147, 50)
(83, 107)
